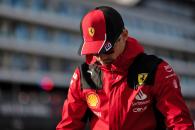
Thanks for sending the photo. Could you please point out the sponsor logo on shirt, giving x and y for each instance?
(168, 68)
(170, 72)
(140, 104)
(175, 84)
(140, 96)
(141, 78)
(92, 100)
(139, 109)
(74, 77)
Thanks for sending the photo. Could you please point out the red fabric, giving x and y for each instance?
(114, 109)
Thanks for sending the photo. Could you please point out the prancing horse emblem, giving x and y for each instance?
(142, 77)
(91, 31)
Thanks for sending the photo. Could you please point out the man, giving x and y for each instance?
(120, 87)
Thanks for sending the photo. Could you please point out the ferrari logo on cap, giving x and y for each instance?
(92, 99)
(142, 77)
(91, 31)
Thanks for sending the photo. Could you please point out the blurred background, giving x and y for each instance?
(39, 40)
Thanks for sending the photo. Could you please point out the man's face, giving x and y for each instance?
(111, 56)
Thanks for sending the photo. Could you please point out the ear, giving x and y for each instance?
(125, 34)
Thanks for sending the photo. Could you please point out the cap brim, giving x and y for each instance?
(93, 47)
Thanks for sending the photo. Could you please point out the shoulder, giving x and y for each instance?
(166, 77)
(75, 90)
(165, 71)
(75, 79)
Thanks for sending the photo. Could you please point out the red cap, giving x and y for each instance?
(94, 32)
(100, 29)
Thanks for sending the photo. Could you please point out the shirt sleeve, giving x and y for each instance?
(169, 99)
(74, 109)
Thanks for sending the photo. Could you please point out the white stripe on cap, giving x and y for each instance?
(103, 43)
(83, 45)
